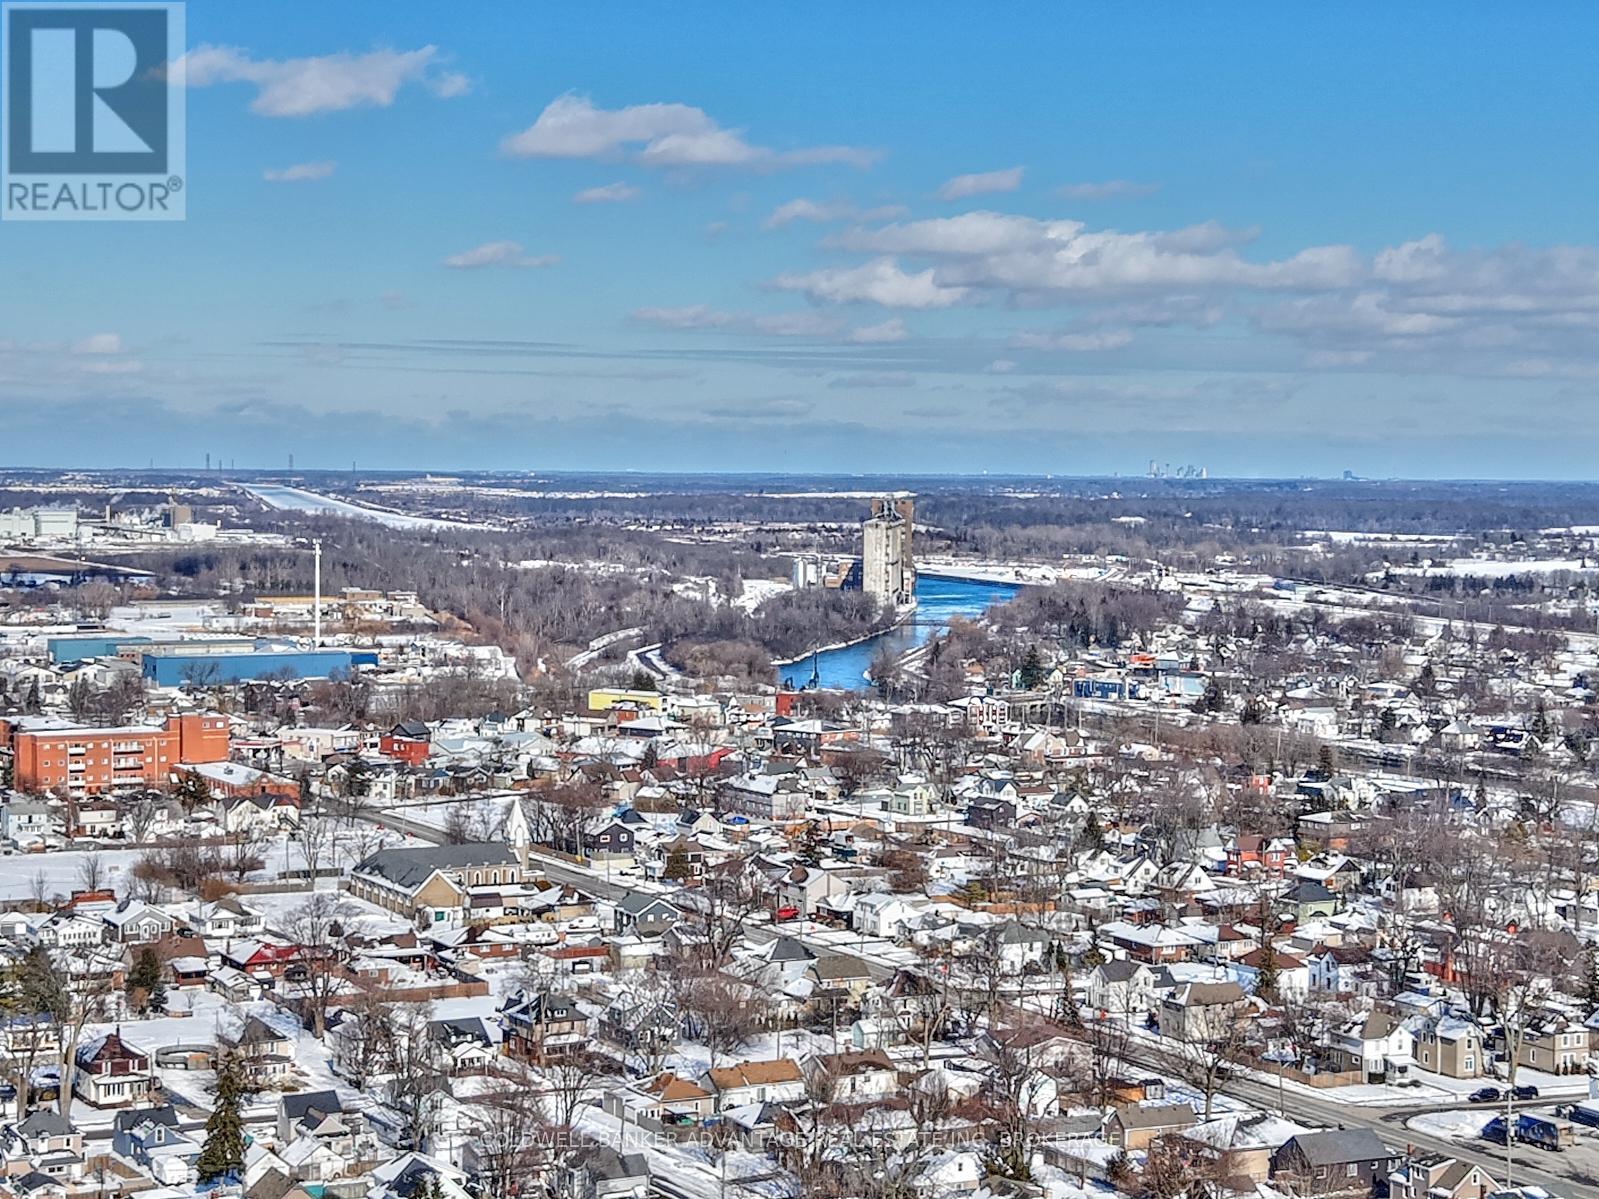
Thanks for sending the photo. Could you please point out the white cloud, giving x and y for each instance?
(978, 250)
(301, 172)
(498, 253)
(1100, 339)
(890, 330)
(1334, 359)
(611, 193)
(1109, 189)
(98, 343)
(661, 135)
(697, 316)
(303, 87)
(798, 324)
(877, 282)
(824, 213)
(982, 184)
(872, 380)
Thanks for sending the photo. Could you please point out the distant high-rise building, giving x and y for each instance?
(887, 569)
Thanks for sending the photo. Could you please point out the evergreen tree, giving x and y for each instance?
(1387, 725)
(1540, 722)
(1590, 981)
(1092, 838)
(677, 867)
(145, 988)
(1327, 760)
(222, 1155)
(191, 792)
(1266, 974)
(1032, 672)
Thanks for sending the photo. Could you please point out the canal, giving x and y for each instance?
(938, 601)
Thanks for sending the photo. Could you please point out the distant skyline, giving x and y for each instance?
(1267, 241)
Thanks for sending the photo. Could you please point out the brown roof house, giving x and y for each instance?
(779, 1080)
(1134, 1126)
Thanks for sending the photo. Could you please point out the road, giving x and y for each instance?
(1558, 1174)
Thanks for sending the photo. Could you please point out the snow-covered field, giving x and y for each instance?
(1494, 569)
(295, 499)
(758, 591)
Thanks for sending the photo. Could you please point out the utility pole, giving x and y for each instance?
(316, 595)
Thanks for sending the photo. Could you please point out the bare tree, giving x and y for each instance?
(89, 991)
(416, 1080)
(318, 927)
(1209, 1042)
(721, 1013)
(512, 1135)
(569, 1080)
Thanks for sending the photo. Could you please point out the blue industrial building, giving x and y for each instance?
(173, 668)
(67, 650)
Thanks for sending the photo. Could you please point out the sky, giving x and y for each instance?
(1262, 239)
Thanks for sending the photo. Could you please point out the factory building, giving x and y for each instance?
(175, 665)
(38, 524)
(887, 569)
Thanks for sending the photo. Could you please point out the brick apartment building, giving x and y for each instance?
(49, 754)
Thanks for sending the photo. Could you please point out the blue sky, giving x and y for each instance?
(924, 237)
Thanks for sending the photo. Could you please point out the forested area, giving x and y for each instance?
(507, 589)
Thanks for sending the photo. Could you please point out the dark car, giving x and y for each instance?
(1525, 1091)
(1484, 1095)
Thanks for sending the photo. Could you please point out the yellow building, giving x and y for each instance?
(603, 699)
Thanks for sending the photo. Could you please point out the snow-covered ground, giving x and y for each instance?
(758, 591)
(296, 499)
(1457, 1126)
(165, 621)
(1492, 568)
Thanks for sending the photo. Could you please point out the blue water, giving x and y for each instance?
(937, 601)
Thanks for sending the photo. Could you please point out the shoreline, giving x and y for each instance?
(905, 613)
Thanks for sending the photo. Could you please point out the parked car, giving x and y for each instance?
(1525, 1091)
(1485, 1095)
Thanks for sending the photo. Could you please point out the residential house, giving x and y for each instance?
(1121, 987)
(539, 1026)
(150, 1138)
(1203, 1011)
(53, 1144)
(1377, 1044)
(868, 1077)
(779, 1080)
(640, 914)
(112, 1073)
(1352, 1160)
(325, 1117)
(1449, 1044)
(600, 1172)
(1554, 1043)
(1439, 1176)
(226, 918)
(133, 922)
(885, 915)
(1133, 1126)
(1306, 901)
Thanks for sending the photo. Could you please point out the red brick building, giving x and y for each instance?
(49, 755)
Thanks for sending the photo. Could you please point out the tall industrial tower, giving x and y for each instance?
(887, 569)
